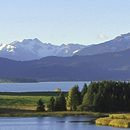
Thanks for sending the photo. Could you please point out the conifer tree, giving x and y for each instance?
(62, 102)
(89, 96)
(56, 104)
(69, 102)
(74, 97)
(84, 91)
(40, 105)
(50, 105)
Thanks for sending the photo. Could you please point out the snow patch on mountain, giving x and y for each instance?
(75, 51)
(2, 46)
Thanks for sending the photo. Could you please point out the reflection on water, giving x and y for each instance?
(51, 123)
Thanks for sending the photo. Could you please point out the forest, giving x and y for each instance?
(107, 96)
(100, 96)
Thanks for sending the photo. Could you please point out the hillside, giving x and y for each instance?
(115, 66)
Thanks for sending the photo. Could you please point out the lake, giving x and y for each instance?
(41, 86)
(50, 123)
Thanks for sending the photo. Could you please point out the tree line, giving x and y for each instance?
(100, 96)
(19, 80)
(107, 96)
(60, 104)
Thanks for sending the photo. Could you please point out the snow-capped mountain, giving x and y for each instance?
(30, 49)
(121, 42)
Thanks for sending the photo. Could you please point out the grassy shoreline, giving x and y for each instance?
(115, 120)
(4, 112)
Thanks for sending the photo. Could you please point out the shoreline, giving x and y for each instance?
(4, 112)
(115, 120)
(101, 119)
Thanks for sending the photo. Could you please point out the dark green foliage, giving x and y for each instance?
(85, 107)
(91, 91)
(60, 103)
(22, 80)
(75, 98)
(50, 105)
(108, 96)
(56, 104)
(84, 91)
(40, 106)
(33, 93)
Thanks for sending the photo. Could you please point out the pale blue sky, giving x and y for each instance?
(64, 21)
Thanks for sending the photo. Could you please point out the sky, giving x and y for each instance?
(64, 21)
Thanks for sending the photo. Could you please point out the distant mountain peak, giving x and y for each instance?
(122, 38)
(127, 34)
(123, 35)
(28, 40)
(21, 40)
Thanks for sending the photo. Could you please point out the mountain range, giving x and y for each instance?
(30, 49)
(108, 64)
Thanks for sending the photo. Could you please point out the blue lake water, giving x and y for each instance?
(50, 123)
(41, 86)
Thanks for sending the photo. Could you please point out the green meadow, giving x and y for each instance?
(25, 101)
(24, 105)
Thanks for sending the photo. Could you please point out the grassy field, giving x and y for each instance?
(24, 105)
(25, 101)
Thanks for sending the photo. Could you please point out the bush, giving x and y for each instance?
(85, 107)
(111, 116)
(124, 117)
(57, 90)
